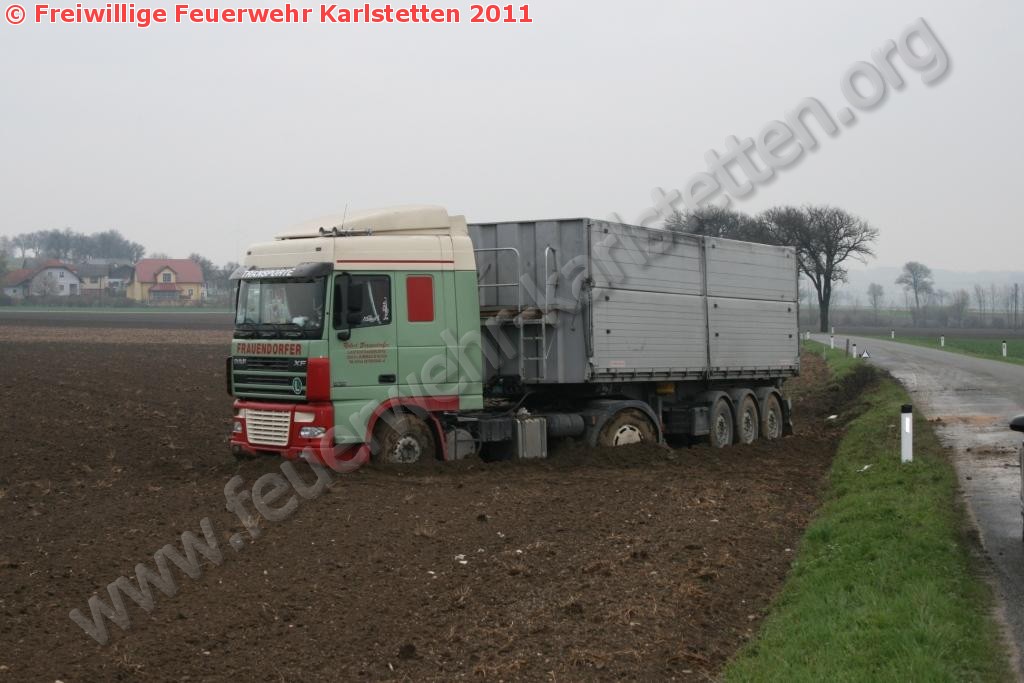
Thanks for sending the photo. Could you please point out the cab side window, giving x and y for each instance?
(362, 301)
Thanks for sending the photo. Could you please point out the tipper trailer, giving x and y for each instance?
(405, 335)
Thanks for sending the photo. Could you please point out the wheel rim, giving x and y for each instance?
(406, 451)
(723, 433)
(773, 425)
(749, 426)
(626, 435)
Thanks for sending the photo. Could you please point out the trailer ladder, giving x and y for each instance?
(536, 318)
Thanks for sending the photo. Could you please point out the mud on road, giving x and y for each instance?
(638, 564)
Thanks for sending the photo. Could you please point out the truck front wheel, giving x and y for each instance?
(403, 440)
(626, 428)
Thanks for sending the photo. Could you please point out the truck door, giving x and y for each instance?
(364, 367)
(423, 317)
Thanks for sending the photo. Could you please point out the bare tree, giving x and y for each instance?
(45, 286)
(825, 238)
(981, 296)
(917, 279)
(876, 293)
(718, 222)
(959, 305)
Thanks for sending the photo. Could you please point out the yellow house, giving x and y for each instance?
(175, 282)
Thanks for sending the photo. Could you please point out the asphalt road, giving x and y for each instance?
(975, 400)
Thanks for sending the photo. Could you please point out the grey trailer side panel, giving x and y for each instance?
(750, 336)
(648, 334)
(745, 270)
(643, 259)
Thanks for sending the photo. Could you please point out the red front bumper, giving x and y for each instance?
(257, 440)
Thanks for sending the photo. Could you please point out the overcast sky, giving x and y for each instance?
(207, 138)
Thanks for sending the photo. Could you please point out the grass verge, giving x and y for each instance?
(840, 363)
(990, 349)
(884, 586)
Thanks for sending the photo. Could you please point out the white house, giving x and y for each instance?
(51, 278)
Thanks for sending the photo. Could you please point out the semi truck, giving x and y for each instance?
(406, 335)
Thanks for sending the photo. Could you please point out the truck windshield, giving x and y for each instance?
(280, 309)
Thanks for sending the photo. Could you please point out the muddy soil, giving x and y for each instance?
(637, 564)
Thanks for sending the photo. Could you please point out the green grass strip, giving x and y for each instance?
(883, 587)
(990, 349)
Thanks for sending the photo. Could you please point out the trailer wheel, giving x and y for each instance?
(771, 421)
(749, 425)
(404, 440)
(626, 428)
(722, 427)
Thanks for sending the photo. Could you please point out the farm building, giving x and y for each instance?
(167, 281)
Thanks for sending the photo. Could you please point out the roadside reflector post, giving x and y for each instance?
(907, 433)
(942, 341)
(1004, 349)
(832, 342)
(854, 350)
(892, 334)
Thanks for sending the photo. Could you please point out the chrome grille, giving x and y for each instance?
(267, 427)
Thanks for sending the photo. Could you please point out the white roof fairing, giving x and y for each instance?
(399, 238)
(423, 219)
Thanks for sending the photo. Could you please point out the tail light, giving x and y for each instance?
(318, 380)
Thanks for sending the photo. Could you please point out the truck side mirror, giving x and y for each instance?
(1017, 424)
(353, 313)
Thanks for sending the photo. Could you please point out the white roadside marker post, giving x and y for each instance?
(892, 334)
(854, 350)
(907, 434)
(832, 342)
(942, 342)
(1004, 349)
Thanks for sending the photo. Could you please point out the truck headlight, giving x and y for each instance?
(303, 418)
(237, 427)
(312, 432)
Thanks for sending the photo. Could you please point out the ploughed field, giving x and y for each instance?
(639, 563)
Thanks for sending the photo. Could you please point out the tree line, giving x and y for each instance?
(825, 238)
(1000, 306)
(69, 245)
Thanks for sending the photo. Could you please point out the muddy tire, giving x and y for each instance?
(722, 426)
(771, 420)
(403, 440)
(628, 427)
(748, 422)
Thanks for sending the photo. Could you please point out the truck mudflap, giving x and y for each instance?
(293, 431)
(787, 417)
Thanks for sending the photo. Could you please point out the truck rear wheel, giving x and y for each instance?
(771, 421)
(403, 440)
(626, 428)
(749, 423)
(722, 427)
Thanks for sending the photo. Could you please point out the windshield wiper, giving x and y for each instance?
(245, 330)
